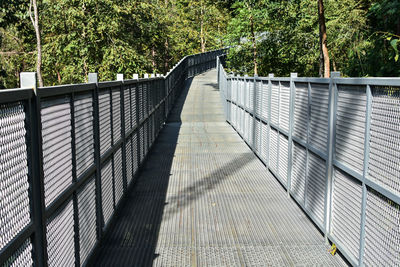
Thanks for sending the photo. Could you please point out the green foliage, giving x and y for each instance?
(288, 37)
(145, 36)
(104, 36)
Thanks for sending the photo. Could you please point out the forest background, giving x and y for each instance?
(130, 36)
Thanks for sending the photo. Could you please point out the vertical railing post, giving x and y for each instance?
(92, 78)
(35, 171)
(74, 180)
(254, 114)
(137, 126)
(309, 101)
(367, 137)
(330, 148)
(120, 77)
(270, 76)
(291, 124)
(218, 71)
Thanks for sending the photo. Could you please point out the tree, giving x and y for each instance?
(248, 22)
(324, 56)
(35, 23)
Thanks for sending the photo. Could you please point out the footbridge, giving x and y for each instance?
(201, 168)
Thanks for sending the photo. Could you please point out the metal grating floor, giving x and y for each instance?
(204, 199)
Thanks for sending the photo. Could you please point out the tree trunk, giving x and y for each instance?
(253, 39)
(153, 59)
(35, 22)
(166, 56)
(202, 42)
(323, 41)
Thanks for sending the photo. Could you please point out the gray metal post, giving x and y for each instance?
(270, 76)
(309, 100)
(330, 149)
(254, 114)
(120, 77)
(365, 173)
(28, 80)
(93, 77)
(291, 122)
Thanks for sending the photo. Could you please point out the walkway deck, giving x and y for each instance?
(204, 199)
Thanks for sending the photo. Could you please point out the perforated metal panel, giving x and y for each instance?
(84, 140)
(346, 211)
(251, 100)
(57, 151)
(258, 99)
(135, 152)
(87, 219)
(257, 136)
(315, 198)
(275, 103)
(145, 99)
(273, 150)
(264, 140)
(21, 257)
(384, 167)
(382, 232)
(298, 178)
(127, 110)
(146, 137)
(246, 126)
(116, 109)
(105, 121)
(60, 237)
(107, 197)
(134, 105)
(319, 116)
(141, 138)
(265, 99)
(14, 186)
(350, 126)
(118, 179)
(283, 157)
(241, 92)
(284, 105)
(233, 114)
(129, 161)
(300, 111)
(251, 130)
(140, 104)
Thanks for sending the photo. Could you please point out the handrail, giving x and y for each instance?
(333, 144)
(69, 154)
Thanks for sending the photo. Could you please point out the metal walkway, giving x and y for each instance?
(204, 199)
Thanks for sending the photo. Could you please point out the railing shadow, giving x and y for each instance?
(132, 239)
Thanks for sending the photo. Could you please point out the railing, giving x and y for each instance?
(68, 154)
(334, 145)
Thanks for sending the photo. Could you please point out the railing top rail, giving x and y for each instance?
(11, 95)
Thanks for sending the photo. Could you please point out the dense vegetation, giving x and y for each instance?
(362, 37)
(150, 36)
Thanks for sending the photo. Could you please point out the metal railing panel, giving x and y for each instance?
(68, 154)
(344, 155)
